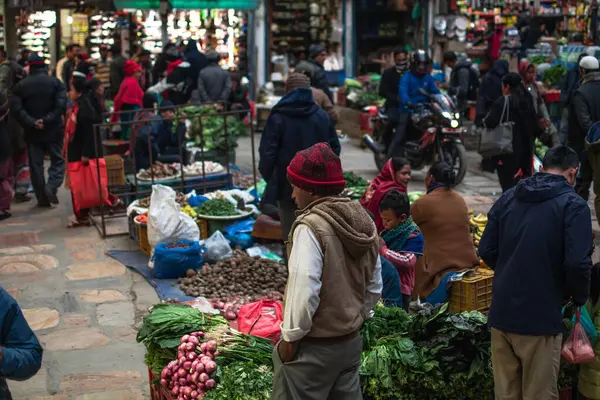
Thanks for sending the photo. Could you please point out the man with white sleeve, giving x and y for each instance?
(334, 281)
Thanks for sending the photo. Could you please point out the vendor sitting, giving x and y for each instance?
(165, 138)
(443, 217)
(401, 241)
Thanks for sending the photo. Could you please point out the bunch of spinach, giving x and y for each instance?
(243, 381)
(431, 355)
(214, 131)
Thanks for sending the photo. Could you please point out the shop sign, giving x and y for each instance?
(214, 4)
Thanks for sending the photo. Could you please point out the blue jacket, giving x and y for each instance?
(538, 240)
(409, 90)
(163, 139)
(21, 351)
(295, 123)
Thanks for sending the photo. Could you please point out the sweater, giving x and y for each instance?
(348, 241)
(443, 218)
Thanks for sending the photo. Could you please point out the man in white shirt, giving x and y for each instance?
(334, 281)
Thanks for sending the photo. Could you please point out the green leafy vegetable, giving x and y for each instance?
(235, 347)
(553, 75)
(243, 381)
(217, 208)
(353, 180)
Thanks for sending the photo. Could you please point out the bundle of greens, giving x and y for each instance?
(540, 149)
(240, 347)
(553, 75)
(243, 381)
(217, 132)
(163, 328)
(217, 208)
(428, 355)
(354, 180)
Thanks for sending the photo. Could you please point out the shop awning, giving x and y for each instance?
(137, 4)
(214, 4)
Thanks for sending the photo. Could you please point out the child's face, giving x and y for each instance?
(390, 219)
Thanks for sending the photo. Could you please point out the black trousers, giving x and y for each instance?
(399, 138)
(585, 177)
(56, 172)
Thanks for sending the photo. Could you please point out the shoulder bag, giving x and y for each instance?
(498, 141)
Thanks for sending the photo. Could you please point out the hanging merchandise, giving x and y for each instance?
(34, 31)
(104, 29)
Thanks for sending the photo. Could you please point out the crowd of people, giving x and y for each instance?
(343, 256)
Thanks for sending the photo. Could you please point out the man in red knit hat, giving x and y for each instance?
(333, 283)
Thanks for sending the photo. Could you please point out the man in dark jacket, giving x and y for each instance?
(313, 68)
(165, 138)
(388, 89)
(462, 78)
(538, 240)
(39, 103)
(68, 67)
(117, 70)
(583, 113)
(568, 86)
(295, 123)
(197, 61)
(214, 83)
(20, 351)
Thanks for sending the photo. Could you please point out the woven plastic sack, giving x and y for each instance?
(262, 318)
(578, 349)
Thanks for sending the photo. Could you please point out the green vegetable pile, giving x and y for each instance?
(553, 75)
(217, 208)
(540, 149)
(537, 60)
(354, 180)
(243, 381)
(429, 355)
(163, 328)
(218, 132)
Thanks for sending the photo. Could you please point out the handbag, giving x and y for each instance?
(498, 141)
(89, 184)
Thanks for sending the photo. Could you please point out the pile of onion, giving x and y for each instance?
(189, 377)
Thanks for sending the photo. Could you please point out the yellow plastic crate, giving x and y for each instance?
(473, 292)
(145, 247)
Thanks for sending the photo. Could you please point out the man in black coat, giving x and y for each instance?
(295, 123)
(388, 89)
(39, 103)
(538, 240)
(117, 70)
(313, 68)
(584, 111)
(462, 79)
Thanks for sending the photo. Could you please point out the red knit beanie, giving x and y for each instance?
(131, 67)
(317, 170)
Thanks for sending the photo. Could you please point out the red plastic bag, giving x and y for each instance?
(578, 349)
(87, 191)
(262, 318)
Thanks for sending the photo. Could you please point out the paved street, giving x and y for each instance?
(85, 307)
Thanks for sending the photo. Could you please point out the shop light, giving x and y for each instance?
(70, 20)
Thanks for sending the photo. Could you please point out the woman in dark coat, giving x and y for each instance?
(80, 146)
(521, 112)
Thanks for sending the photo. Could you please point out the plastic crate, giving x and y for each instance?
(473, 292)
(115, 168)
(144, 244)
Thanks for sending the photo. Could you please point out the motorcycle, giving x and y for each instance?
(433, 133)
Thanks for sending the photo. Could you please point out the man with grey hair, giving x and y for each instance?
(214, 83)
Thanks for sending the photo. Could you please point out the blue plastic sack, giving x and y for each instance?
(172, 262)
(196, 201)
(588, 325)
(238, 234)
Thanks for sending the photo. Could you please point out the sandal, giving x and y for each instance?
(75, 223)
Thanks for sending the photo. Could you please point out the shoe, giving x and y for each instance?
(44, 205)
(51, 195)
(22, 198)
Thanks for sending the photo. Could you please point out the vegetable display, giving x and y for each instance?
(180, 198)
(162, 329)
(199, 168)
(190, 376)
(553, 75)
(477, 225)
(159, 170)
(354, 180)
(540, 149)
(240, 275)
(243, 381)
(218, 132)
(428, 355)
(217, 208)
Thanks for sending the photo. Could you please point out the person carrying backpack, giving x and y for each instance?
(464, 79)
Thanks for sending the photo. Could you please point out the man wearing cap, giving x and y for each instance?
(333, 283)
(313, 68)
(39, 102)
(295, 123)
(583, 114)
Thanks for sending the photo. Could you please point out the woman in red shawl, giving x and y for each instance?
(394, 175)
(129, 97)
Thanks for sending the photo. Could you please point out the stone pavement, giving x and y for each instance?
(84, 307)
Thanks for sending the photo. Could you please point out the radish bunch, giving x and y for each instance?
(189, 377)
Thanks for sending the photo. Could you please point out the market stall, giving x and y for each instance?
(36, 32)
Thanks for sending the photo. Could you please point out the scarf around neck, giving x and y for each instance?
(400, 234)
(435, 185)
